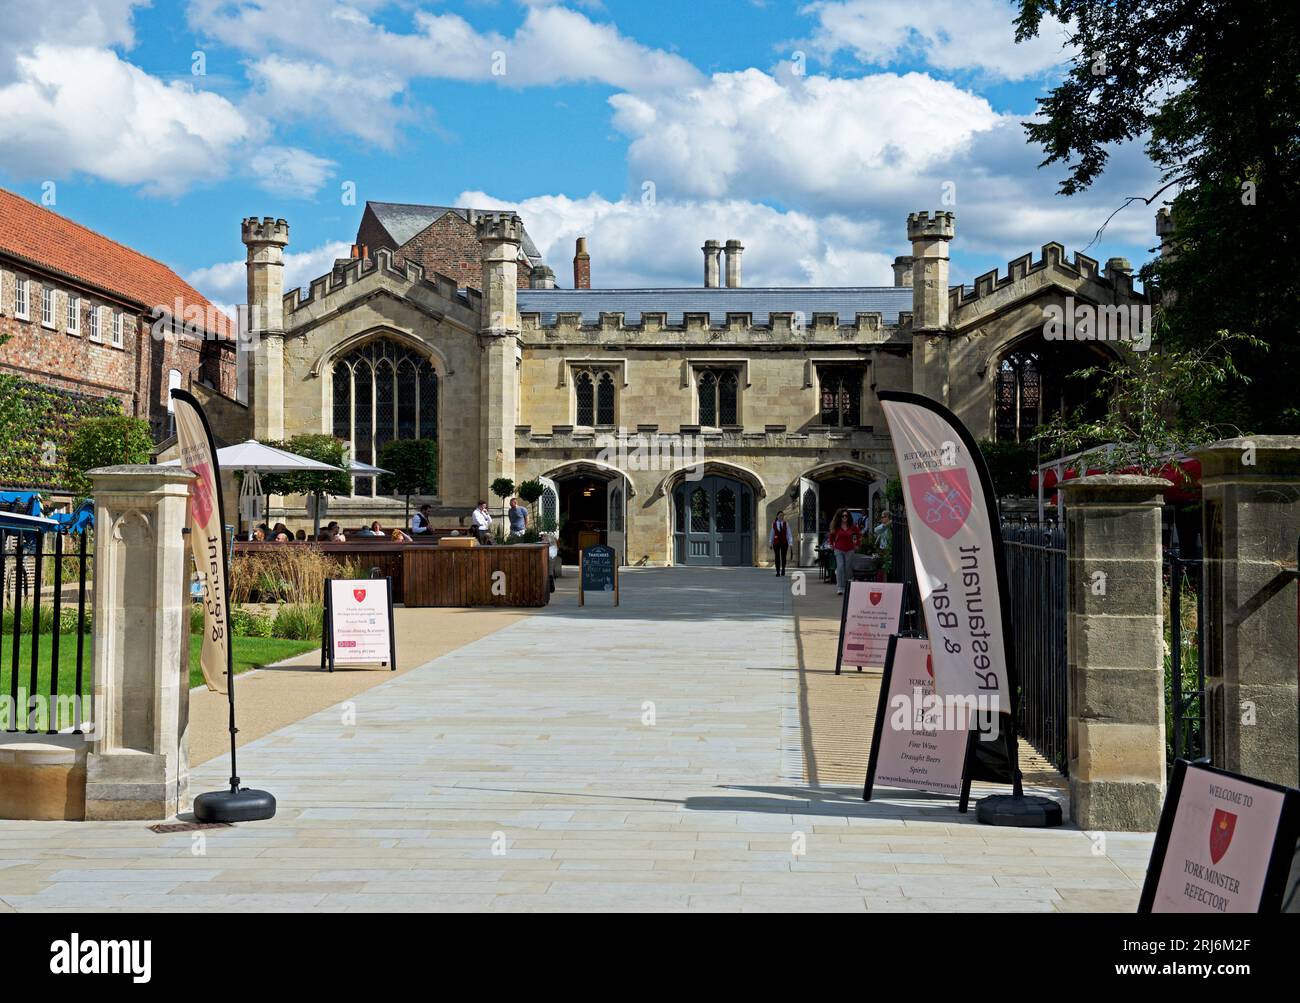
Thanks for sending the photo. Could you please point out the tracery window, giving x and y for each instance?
(718, 392)
(383, 391)
(841, 395)
(594, 393)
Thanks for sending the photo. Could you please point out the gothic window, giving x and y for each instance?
(699, 511)
(841, 395)
(383, 391)
(718, 391)
(726, 502)
(593, 391)
(1018, 396)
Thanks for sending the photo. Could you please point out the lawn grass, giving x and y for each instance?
(250, 652)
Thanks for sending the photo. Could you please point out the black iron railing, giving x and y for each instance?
(1036, 581)
(45, 646)
(1185, 729)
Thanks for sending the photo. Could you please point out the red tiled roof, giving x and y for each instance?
(44, 238)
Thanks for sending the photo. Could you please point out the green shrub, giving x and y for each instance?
(104, 442)
(300, 621)
(244, 623)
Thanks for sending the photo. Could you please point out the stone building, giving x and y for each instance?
(672, 423)
(90, 318)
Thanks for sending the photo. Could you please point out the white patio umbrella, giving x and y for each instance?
(254, 458)
(358, 469)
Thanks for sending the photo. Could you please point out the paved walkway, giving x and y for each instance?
(644, 758)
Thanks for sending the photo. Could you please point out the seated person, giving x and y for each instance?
(371, 530)
(333, 534)
(281, 533)
(300, 535)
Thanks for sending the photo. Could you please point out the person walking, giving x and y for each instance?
(845, 537)
(780, 539)
(882, 531)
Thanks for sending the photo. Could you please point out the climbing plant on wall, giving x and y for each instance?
(39, 423)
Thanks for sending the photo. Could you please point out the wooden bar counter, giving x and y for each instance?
(427, 574)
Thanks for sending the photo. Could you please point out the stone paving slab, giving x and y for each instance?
(640, 758)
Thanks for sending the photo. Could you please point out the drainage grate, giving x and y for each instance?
(165, 827)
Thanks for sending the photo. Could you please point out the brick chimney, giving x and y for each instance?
(581, 265)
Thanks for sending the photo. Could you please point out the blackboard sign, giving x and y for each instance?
(597, 572)
(358, 623)
(1225, 844)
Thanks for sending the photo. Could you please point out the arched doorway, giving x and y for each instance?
(827, 488)
(713, 522)
(587, 501)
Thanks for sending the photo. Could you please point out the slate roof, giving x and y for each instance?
(717, 303)
(39, 237)
(403, 221)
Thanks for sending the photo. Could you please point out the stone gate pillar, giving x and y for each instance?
(138, 765)
(1251, 512)
(1115, 645)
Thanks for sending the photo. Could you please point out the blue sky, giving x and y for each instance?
(807, 130)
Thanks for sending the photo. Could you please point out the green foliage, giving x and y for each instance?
(894, 493)
(1011, 465)
(530, 491)
(414, 466)
(324, 448)
(103, 442)
(503, 487)
(244, 623)
(37, 424)
(1221, 126)
(300, 621)
(1140, 417)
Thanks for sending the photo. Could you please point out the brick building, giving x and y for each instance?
(90, 318)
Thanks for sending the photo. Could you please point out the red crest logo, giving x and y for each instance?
(201, 493)
(1222, 826)
(359, 595)
(929, 665)
(875, 597)
(941, 499)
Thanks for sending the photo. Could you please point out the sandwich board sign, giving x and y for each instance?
(358, 623)
(597, 572)
(870, 617)
(916, 744)
(1225, 844)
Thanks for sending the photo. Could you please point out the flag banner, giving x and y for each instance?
(207, 535)
(957, 551)
(956, 546)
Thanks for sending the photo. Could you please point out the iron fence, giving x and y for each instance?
(1037, 583)
(44, 673)
(1185, 730)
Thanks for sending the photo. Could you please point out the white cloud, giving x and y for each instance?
(637, 244)
(81, 109)
(95, 23)
(820, 141)
(290, 172)
(947, 35)
(336, 62)
(226, 281)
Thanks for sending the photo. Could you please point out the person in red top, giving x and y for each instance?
(780, 539)
(844, 539)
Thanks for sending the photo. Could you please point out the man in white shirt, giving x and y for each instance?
(420, 524)
(482, 520)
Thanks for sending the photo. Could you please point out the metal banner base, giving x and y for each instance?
(1020, 810)
(242, 805)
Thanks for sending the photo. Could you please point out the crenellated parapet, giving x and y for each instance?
(1053, 263)
(267, 230)
(698, 327)
(339, 285)
(924, 226)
